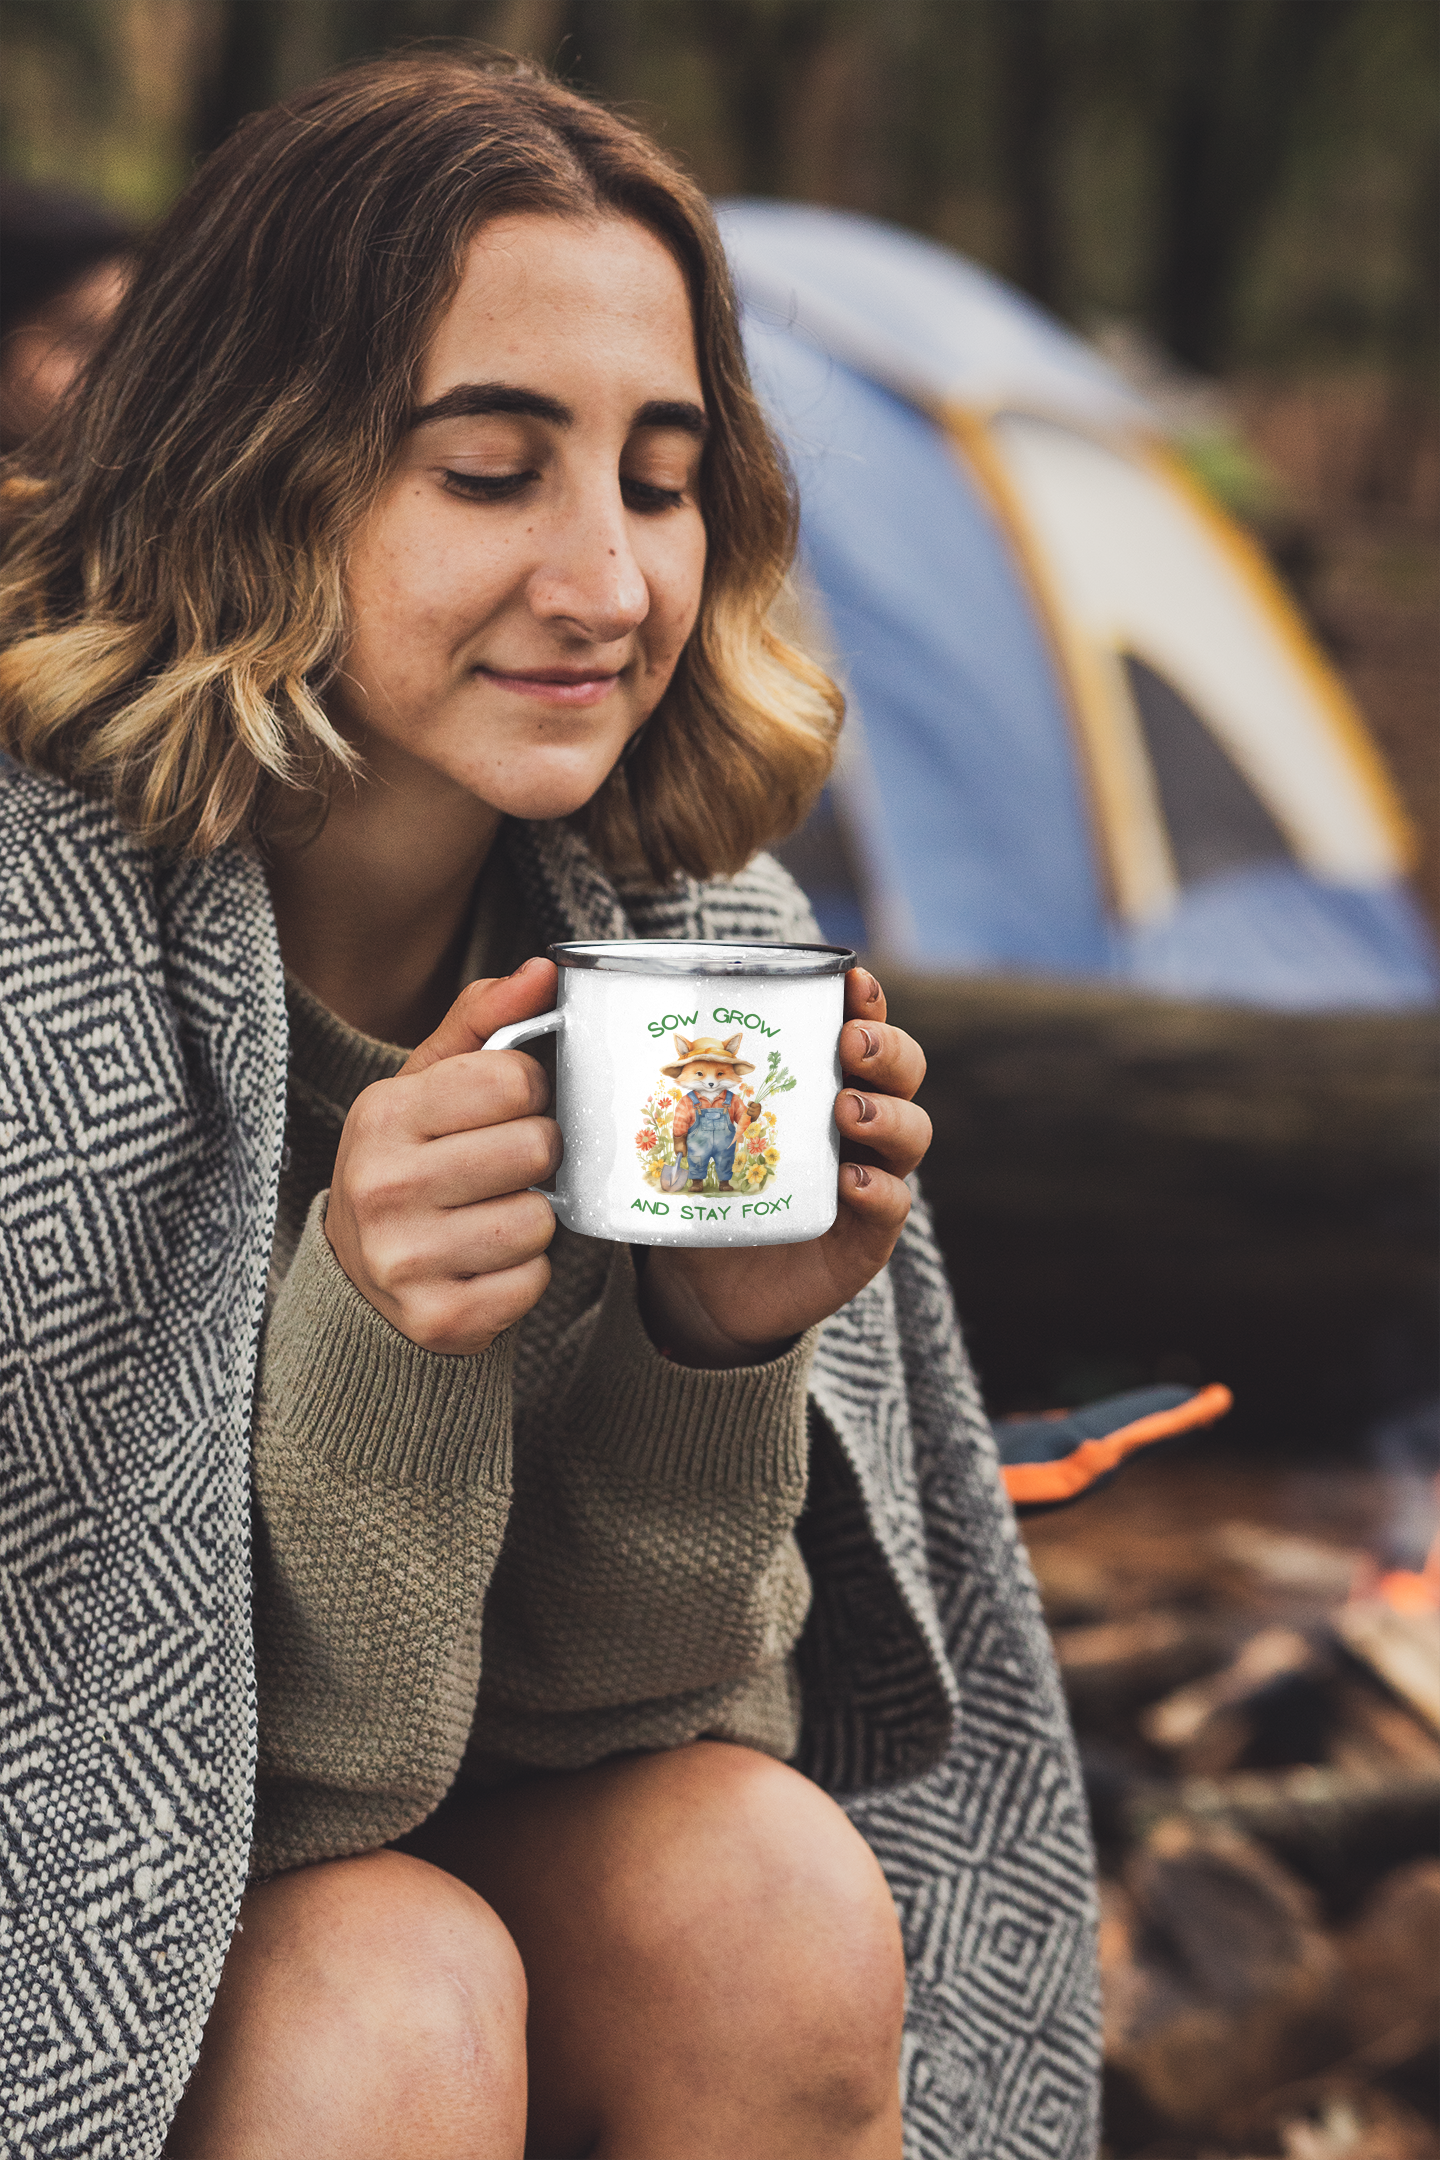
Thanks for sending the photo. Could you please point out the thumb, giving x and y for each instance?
(482, 1008)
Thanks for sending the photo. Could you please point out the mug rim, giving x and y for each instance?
(703, 956)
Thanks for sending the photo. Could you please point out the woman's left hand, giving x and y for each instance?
(739, 1304)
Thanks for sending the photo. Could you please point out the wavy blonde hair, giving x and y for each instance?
(172, 584)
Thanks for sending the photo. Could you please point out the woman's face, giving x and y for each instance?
(522, 588)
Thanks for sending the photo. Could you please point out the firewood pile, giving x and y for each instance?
(1257, 1705)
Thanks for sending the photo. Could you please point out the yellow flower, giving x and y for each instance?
(772, 1156)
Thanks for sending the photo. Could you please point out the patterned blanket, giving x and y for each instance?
(142, 1100)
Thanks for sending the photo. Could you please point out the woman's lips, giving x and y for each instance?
(555, 688)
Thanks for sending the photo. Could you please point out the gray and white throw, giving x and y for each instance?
(142, 1106)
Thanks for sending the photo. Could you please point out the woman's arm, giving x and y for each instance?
(382, 1447)
(651, 1589)
(382, 1487)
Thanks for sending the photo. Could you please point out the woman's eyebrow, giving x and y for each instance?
(471, 401)
(672, 413)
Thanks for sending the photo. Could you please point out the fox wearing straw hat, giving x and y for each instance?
(711, 1112)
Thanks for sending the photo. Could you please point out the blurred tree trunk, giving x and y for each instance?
(1240, 75)
(243, 75)
(1029, 147)
(1412, 336)
(590, 45)
(360, 28)
(762, 51)
(255, 58)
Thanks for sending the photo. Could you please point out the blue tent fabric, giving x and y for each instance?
(973, 809)
(972, 750)
(1272, 935)
(915, 316)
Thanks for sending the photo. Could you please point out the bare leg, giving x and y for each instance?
(713, 1958)
(370, 2009)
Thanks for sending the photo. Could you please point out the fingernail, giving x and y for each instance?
(869, 1040)
(859, 1175)
(869, 985)
(864, 1108)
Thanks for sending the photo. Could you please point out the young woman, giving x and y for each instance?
(393, 601)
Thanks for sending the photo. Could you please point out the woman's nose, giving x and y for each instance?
(589, 575)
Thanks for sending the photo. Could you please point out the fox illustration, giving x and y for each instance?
(711, 1112)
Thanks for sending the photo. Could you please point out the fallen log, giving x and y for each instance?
(1294, 1566)
(1273, 1694)
(1388, 2009)
(1116, 1665)
(1334, 1819)
(1391, 1958)
(1401, 1648)
(1175, 1097)
(1073, 1588)
(1129, 1177)
(1372, 1730)
(1218, 1980)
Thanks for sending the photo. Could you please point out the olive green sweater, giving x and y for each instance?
(565, 1547)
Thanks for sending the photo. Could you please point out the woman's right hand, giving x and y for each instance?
(429, 1213)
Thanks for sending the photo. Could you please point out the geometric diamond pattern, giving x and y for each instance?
(142, 1053)
(142, 1097)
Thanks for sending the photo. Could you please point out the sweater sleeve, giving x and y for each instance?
(651, 1590)
(382, 1487)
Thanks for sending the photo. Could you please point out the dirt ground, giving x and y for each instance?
(1270, 1979)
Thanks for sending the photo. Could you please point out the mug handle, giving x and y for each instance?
(520, 1031)
(509, 1038)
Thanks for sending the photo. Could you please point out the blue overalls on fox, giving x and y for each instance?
(712, 1134)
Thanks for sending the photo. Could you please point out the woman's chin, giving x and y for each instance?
(552, 787)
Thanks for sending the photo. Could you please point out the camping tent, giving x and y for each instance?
(1089, 734)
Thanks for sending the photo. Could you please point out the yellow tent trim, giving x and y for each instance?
(1132, 845)
(1338, 707)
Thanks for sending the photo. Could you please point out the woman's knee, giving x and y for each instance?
(388, 1930)
(378, 1984)
(747, 1882)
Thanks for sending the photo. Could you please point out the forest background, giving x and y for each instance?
(1236, 199)
(1245, 190)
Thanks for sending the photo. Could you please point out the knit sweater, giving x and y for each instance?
(624, 1525)
(143, 1060)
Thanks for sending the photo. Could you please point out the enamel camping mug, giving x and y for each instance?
(695, 1089)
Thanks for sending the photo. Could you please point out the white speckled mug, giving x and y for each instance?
(695, 1089)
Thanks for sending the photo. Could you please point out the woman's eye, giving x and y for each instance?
(486, 487)
(643, 495)
(640, 495)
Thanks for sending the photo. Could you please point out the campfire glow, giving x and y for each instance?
(1412, 1592)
